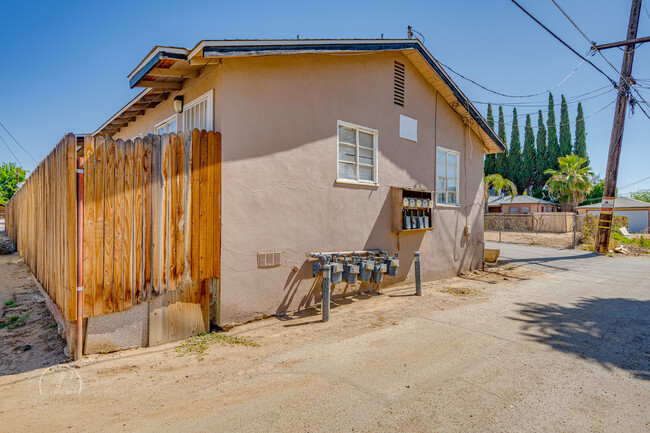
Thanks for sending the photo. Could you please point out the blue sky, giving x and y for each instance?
(65, 63)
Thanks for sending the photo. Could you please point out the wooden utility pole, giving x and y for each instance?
(609, 192)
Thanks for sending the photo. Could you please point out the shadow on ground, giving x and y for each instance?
(613, 332)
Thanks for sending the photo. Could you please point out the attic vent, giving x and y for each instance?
(398, 84)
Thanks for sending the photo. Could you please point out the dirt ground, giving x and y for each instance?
(551, 240)
(492, 351)
(28, 333)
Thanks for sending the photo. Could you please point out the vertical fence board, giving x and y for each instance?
(146, 222)
(216, 243)
(118, 252)
(204, 200)
(187, 198)
(164, 214)
(209, 193)
(173, 211)
(109, 225)
(127, 236)
(138, 211)
(98, 254)
(196, 203)
(155, 213)
(89, 226)
(179, 249)
(71, 227)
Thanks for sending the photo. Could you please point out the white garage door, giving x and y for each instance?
(637, 220)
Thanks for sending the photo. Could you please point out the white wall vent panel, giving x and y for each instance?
(408, 128)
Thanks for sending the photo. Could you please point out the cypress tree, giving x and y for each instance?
(542, 153)
(514, 154)
(529, 160)
(553, 146)
(501, 163)
(490, 159)
(565, 130)
(580, 147)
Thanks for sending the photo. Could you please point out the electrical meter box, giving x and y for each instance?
(412, 209)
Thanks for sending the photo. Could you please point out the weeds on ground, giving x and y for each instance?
(15, 322)
(11, 303)
(197, 345)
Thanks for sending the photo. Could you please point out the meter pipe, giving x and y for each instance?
(325, 292)
(418, 278)
(80, 224)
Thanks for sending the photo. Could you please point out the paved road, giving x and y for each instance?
(567, 351)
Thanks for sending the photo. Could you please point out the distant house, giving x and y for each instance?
(520, 204)
(636, 211)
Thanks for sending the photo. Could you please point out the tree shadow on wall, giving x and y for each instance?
(614, 332)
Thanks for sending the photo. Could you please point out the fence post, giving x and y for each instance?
(575, 226)
(500, 225)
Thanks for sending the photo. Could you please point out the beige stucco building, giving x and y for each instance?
(314, 135)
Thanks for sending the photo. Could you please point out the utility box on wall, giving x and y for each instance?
(412, 209)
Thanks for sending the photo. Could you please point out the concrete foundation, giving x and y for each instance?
(118, 331)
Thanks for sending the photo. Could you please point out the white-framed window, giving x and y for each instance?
(525, 209)
(447, 162)
(167, 126)
(357, 154)
(198, 113)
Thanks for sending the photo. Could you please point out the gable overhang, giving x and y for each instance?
(165, 69)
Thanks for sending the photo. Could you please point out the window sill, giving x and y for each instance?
(448, 205)
(354, 182)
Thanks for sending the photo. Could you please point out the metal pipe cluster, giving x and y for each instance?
(354, 266)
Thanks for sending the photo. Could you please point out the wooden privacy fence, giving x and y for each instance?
(151, 219)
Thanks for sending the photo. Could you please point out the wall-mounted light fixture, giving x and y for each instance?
(178, 104)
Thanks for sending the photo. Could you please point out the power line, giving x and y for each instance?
(14, 138)
(562, 124)
(633, 183)
(11, 151)
(564, 43)
(544, 104)
(593, 48)
(513, 96)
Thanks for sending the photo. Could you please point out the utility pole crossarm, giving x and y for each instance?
(623, 43)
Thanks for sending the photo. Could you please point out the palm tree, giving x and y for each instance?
(499, 183)
(571, 183)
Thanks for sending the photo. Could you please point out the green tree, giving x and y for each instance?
(490, 159)
(571, 182)
(8, 180)
(642, 194)
(529, 160)
(499, 183)
(501, 162)
(542, 153)
(566, 147)
(514, 154)
(580, 147)
(553, 145)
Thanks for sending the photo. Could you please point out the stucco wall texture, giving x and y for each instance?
(278, 118)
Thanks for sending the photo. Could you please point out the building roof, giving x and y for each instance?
(498, 200)
(165, 69)
(620, 202)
